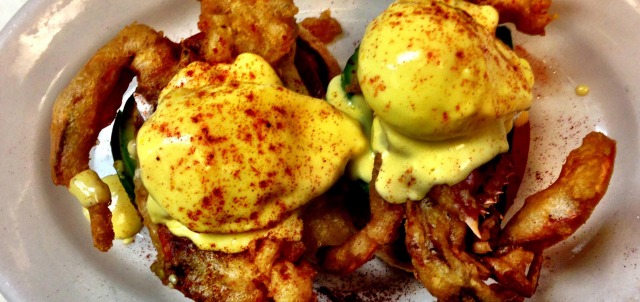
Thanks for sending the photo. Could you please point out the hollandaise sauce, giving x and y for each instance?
(288, 229)
(124, 216)
(90, 190)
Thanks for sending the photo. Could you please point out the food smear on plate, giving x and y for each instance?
(249, 183)
(582, 90)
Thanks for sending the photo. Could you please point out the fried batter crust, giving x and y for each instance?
(325, 28)
(529, 16)
(325, 56)
(437, 239)
(101, 226)
(556, 212)
(382, 229)
(263, 27)
(268, 271)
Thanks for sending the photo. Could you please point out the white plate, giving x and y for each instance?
(46, 251)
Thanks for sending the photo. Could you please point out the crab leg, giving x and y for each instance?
(382, 229)
(555, 213)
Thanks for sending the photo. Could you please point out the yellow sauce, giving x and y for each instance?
(131, 149)
(247, 68)
(410, 167)
(90, 190)
(125, 218)
(444, 92)
(582, 90)
(288, 229)
(356, 108)
(230, 151)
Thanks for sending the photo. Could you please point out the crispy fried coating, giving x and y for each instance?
(292, 282)
(269, 271)
(319, 46)
(326, 223)
(315, 64)
(529, 16)
(264, 27)
(516, 269)
(438, 232)
(289, 74)
(435, 241)
(324, 28)
(260, 274)
(101, 226)
(382, 229)
(89, 103)
(555, 213)
(308, 67)
(437, 238)
(395, 254)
